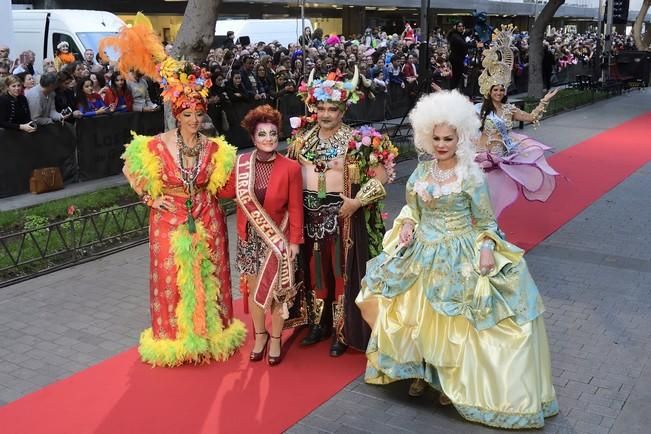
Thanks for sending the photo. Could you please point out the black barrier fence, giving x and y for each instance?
(100, 141)
(289, 105)
(20, 153)
(395, 103)
(629, 67)
(633, 66)
(90, 149)
(568, 75)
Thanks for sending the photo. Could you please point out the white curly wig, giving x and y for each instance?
(455, 110)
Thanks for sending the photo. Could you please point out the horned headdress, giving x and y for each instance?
(330, 89)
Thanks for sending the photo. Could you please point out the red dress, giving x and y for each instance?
(278, 188)
(190, 289)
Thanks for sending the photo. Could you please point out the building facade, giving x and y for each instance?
(344, 16)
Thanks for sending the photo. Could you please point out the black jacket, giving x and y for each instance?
(13, 111)
(237, 94)
(228, 44)
(458, 46)
(64, 98)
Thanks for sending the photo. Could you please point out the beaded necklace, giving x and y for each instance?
(326, 149)
(441, 175)
(320, 151)
(189, 174)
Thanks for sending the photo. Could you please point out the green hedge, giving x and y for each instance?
(567, 99)
(57, 210)
(87, 203)
(72, 232)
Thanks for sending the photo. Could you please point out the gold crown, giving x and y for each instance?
(498, 61)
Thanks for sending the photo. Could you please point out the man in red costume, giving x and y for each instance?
(343, 175)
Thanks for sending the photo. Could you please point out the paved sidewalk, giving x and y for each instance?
(594, 274)
(595, 278)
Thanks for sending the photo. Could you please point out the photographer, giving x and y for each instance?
(458, 51)
(14, 110)
(217, 101)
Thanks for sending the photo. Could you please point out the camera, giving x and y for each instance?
(66, 111)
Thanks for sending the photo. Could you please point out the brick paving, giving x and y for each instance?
(594, 275)
(595, 278)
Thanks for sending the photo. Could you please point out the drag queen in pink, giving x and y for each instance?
(513, 162)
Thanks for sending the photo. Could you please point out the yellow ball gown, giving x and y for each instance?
(479, 339)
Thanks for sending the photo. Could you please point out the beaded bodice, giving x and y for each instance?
(316, 149)
(494, 133)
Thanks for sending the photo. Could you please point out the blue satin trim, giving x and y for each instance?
(501, 128)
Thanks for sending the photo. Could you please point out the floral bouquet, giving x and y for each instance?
(298, 122)
(376, 148)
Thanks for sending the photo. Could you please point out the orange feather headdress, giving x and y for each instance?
(184, 84)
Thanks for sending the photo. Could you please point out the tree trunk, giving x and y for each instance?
(195, 38)
(536, 36)
(642, 42)
(197, 30)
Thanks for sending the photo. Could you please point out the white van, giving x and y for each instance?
(41, 30)
(285, 31)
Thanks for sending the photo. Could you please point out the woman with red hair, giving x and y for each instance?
(268, 190)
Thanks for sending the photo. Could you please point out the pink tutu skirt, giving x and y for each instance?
(525, 170)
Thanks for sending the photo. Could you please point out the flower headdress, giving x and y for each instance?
(184, 84)
(498, 61)
(331, 89)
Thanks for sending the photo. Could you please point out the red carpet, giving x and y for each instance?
(123, 395)
(590, 169)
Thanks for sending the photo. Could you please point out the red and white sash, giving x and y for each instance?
(276, 277)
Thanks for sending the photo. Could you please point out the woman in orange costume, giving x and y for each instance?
(268, 188)
(179, 174)
(63, 55)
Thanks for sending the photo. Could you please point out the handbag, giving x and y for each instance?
(45, 179)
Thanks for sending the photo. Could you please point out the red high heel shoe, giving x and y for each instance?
(256, 357)
(274, 360)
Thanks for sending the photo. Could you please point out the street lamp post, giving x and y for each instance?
(423, 55)
(608, 38)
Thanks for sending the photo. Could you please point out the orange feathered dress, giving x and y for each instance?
(190, 288)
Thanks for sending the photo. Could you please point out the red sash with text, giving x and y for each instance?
(276, 277)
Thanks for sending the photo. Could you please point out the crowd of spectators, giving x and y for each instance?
(265, 72)
(79, 88)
